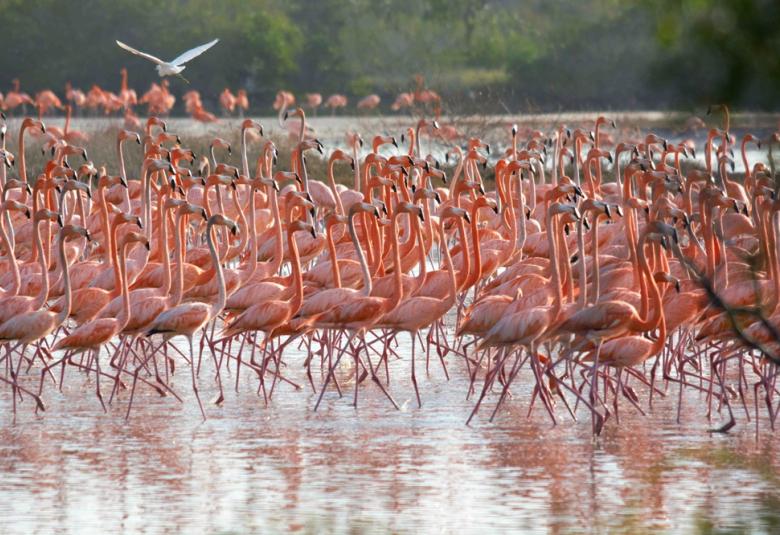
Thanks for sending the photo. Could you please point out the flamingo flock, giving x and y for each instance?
(590, 278)
(160, 101)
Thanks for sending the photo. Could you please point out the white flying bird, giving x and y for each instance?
(174, 67)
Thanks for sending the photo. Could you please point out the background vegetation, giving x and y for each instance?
(486, 55)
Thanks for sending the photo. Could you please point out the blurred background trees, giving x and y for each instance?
(486, 55)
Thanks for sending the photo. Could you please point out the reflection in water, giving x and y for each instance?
(252, 468)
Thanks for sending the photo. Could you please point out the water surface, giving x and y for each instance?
(251, 468)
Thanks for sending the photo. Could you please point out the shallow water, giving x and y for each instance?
(251, 468)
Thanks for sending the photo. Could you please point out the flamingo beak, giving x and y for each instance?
(59, 220)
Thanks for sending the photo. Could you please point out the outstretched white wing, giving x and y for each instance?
(194, 53)
(139, 53)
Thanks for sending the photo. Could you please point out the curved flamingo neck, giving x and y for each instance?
(648, 321)
(22, 162)
(124, 316)
(356, 160)
(43, 294)
(334, 264)
(367, 284)
(65, 312)
(296, 271)
(178, 290)
(243, 229)
(332, 184)
(556, 276)
(465, 271)
(17, 279)
(217, 307)
(477, 270)
(276, 263)
(421, 256)
(166, 255)
(398, 288)
(453, 287)
(244, 156)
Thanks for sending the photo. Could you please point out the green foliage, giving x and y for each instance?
(721, 50)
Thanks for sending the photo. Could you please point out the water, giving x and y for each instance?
(251, 468)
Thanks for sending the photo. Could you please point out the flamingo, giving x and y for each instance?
(188, 318)
(95, 334)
